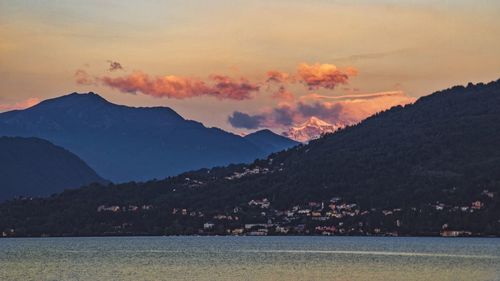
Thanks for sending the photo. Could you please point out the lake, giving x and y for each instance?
(250, 258)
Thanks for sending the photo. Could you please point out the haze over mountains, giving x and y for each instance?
(35, 167)
(127, 143)
(412, 170)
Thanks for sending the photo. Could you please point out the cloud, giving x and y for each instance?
(314, 76)
(343, 110)
(328, 76)
(325, 111)
(278, 76)
(178, 87)
(114, 66)
(283, 94)
(282, 115)
(246, 121)
(20, 105)
(226, 87)
(314, 96)
(83, 78)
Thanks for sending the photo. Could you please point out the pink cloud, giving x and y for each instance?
(171, 86)
(278, 76)
(328, 76)
(20, 105)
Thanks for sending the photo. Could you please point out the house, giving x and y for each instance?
(237, 231)
(335, 199)
(208, 225)
(282, 230)
(455, 233)
(304, 212)
(477, 205)
(488, 193)
(263, 204)
(387, 212)
(113, 209)
(320, 218)
(253, 225)
(314, 204)
(259, 232)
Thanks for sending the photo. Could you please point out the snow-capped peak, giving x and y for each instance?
(313, 128)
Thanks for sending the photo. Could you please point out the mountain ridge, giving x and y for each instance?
(269, 141)
(128, 143)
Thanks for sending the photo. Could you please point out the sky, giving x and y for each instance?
(246, 65)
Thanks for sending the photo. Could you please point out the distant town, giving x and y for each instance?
(333, 217)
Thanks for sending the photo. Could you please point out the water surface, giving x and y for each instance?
(250, 258)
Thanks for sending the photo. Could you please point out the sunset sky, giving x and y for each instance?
(244, 65)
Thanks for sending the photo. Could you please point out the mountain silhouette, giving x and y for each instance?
(35, 167)
(128, 143)
(269, 141)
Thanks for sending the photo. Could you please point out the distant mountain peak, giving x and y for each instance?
(315, 121)
(74, 99)
(312, 128)
(262, 132)
(269, 141)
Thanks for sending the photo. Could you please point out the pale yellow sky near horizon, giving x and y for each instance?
(413, 46)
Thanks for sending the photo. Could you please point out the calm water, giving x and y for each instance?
(249, 258)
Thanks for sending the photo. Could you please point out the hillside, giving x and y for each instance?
(127, 143)
(422, 169)
(34, 167)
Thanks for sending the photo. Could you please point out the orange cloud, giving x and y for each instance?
(326, 76)
(226, 87)
(278, 76)
(219, 86)
(20, 105)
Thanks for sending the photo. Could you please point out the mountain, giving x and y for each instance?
(429, 168)
(35, 167)
(311, 129)
(270, 142)
(127, 143)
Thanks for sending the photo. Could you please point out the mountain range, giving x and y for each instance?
(134, 143)
(417, 169)
(35, 167)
